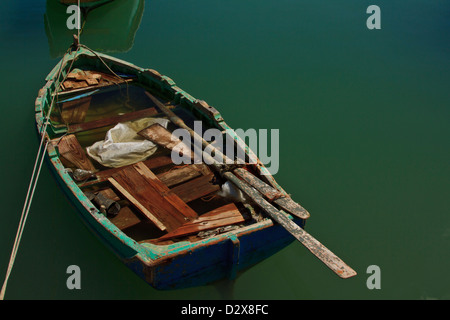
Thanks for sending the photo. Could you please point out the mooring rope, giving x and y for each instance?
(34, 176)
(40, 159)
(24, 216)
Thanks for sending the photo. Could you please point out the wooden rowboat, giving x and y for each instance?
(173, 225)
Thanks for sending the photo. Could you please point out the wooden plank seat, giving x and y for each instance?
(153, 198)
(103, 175)
(223, 216)
(175, 175)
(196, 188)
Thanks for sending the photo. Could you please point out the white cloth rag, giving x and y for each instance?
(123, 146)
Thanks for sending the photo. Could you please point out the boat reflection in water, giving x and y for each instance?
(85, 3)
(106, 27)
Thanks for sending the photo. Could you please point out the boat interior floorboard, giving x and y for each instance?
(159, 202)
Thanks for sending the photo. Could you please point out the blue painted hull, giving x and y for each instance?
(221, 260)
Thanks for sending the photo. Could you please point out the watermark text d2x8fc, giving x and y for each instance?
(257, 141)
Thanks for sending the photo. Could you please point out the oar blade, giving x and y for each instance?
(318, 249)
(271, 194)
(314, 246)
(292, 207)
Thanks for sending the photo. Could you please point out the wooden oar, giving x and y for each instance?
(318, 249)
(198, 140)
(269, 192)
(272, 194)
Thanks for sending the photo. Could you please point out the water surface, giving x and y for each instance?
(364, 137)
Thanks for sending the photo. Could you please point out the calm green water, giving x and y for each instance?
(364, 137)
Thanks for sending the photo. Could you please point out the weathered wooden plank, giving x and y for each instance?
(179, 175)
(169, 178)
(138, 205)
(91, 81)
(203, 168)
(151, 163)
(226, 215)
(142, 188)
(158, 162)
(163, 137)
(69, 84)
(186, 212)
(104, 85)
(71, 150)
(196, 188)
(105, 122)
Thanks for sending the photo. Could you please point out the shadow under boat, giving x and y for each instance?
(106, 28)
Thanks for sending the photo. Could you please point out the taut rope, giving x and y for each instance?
(34, 178)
